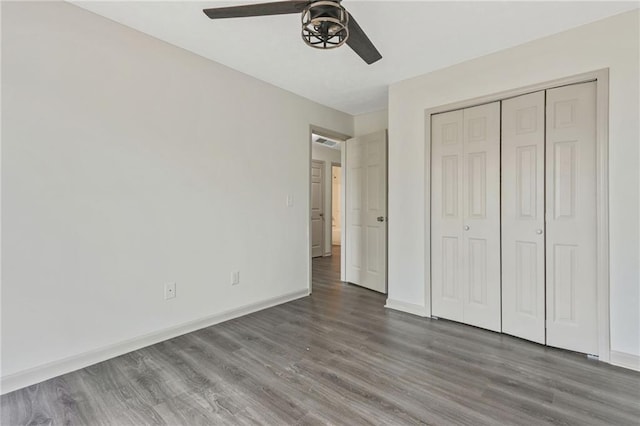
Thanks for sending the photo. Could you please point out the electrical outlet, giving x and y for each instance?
(235, 278)
(169, 290)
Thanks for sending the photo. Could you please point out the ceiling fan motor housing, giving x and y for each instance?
(325, 24)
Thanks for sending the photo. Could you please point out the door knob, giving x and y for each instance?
(539, 231)
(466, 227)
(321, 214)
(380, 219)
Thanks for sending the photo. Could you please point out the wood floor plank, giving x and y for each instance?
(336, 357)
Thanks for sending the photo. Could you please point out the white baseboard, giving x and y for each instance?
(407, 307)
(52, 369)
(622, 359)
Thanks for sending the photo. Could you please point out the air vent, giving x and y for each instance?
(326, 142)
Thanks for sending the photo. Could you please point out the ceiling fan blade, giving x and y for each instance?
(260, 9)
(360, 43)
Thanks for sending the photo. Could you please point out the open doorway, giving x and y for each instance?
(348, 185)
(326, 154)
(325, 203)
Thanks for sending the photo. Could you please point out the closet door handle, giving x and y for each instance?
(539, 231)
(466, 227)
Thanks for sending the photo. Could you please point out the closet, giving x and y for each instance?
(513, 222)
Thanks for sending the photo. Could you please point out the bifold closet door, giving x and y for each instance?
(523, 239)
(465, 222)
(481, 231)
(571, 218)
(447, 268)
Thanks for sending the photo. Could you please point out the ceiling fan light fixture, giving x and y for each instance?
(325, 25)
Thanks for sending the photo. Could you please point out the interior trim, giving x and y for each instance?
(623, 359)
(409, 308)
(47, 371)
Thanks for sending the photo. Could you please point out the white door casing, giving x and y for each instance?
(336, 214)
(465, 222)
(523, 208)
(366, 211)
(317, 208)
(571, 218)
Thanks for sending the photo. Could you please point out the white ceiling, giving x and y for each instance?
(414, 37)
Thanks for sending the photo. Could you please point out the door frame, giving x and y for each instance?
(334, 164)
(601, 77)
(332, 134)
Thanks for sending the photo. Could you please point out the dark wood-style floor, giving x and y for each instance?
(337, 357)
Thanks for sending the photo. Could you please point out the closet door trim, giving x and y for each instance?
(601, 77)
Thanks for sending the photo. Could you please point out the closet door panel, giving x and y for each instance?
(571, 218)
(481, 221)
(446, 215)
(523, 247)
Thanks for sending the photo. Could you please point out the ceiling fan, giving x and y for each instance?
(325, 23)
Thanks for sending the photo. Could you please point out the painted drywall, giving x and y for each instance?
(128, 163)
(612, 43)
(365, 124)
(328, 155)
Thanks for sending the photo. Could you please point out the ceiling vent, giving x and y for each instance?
(326, 142)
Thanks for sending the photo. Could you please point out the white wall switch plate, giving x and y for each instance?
(289, 200)
(235, 278)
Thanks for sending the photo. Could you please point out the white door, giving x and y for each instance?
(317, 208)
(466, 216)
(523, 240)
(366, 208)
(447, 277)
(481, 231)
(571, 218)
